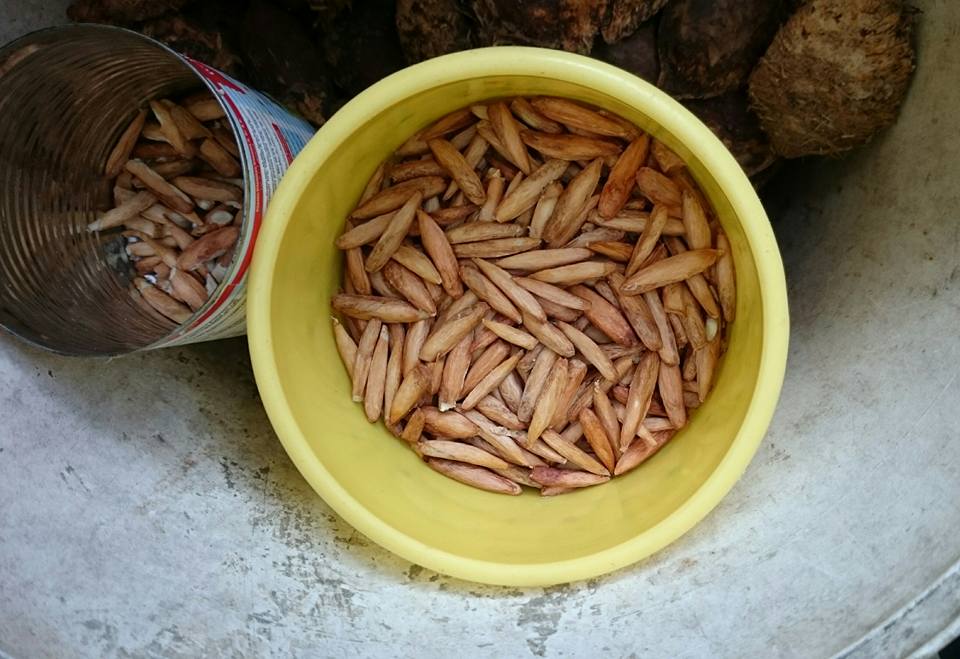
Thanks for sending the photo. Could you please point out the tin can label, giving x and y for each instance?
(268, 137)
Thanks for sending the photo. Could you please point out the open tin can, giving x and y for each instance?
(66, 95)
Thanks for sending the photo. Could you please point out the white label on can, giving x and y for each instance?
(269, 137)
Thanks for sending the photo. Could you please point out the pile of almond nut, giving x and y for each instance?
(536, 293)
(178, 201)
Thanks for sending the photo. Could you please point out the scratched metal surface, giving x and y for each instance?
(146, 508)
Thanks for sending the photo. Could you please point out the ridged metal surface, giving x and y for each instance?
(66, 94)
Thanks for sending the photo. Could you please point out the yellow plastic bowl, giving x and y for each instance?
(377, 484)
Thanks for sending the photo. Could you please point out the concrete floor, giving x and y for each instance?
(146, 508)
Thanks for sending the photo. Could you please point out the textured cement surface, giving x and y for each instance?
(146, 508)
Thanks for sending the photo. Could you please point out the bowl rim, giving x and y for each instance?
(662, 109)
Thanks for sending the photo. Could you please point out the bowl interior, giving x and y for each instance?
(377, 483)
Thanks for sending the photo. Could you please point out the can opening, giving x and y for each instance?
(66, 95)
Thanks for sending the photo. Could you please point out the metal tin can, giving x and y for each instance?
(66, 94)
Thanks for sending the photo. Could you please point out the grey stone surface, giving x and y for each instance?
(146, 508)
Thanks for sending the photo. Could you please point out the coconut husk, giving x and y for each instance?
(566, 24)
(430, 28)
(204, 43)
(121, 12)
(636, 54)
(834, 76)
(709, 47)
(730, 118)
(361, 46)
(282, 60)
(623, 17)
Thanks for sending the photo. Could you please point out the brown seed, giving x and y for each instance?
(576, 371)
(622, 177)
(706, 361)
(214, 244)
(454, 371)
(548, 400)
(658, 188)
(396, 196)
(161, 302)
(167, 193)
(693, 320)
(668, 351)
(409, 286)
(575, 273)
(475, 476)
(490, 381)
(170, 130)
(535, 383)
(568, 147)
(638, 314)
(413, 342)
(124, 146)
(461, 452)
(553, 491)
(203, 106)
(670, 385)
(445, 335)
(123, 213)
(574, 455)
(501, 438)
(567, 216)
(540, 449)
(616, 251)
(498, 412)
(365, 233)
(414, 428)
(669, 270)
(459, 169)
(553, 477)
(667, 160)
(373, 184)
(450, 123)
(508, 130)
(544, 259)
(376, 378)
(414, 385)
(641, 451)
(524, 196)
(364, 358)
(522, 298)
(511, 390)
(552, 293)
(441, 253)
(392, 237)
(477, 231)
(451, 425)
(495, 248)
(394, 363)
(528, 114)
(597, 437)
(518, 475)
(418, 262)
(696, 228)
(388, 310)
(549, 335)
(511, 334)
(187, 289)
(473, 155)
(487, 291)
(636, 222)
(726, 282)
(413, 146)
(648, 239)
(544, 208)
(345, 346)
(590, 350)
(495, 187)
(606, 316)
(638, 401)
(411, 169)
(573, 115)
(607, 415)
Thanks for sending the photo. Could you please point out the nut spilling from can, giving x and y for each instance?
(92, 134)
